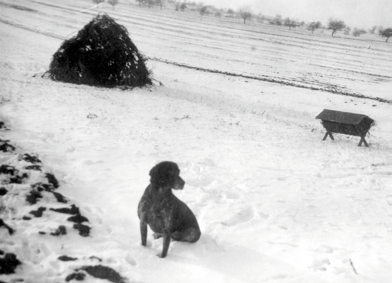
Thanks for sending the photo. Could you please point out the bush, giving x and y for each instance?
(358, 32)
(101, 54)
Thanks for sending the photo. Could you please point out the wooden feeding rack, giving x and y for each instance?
(345, 123)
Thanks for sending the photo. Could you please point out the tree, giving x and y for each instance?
(336, 25)
(113, 3)
(347, 30)
(387, 33)
(312, 26)
(373, 30)
(245, 13)
(290, 23)
(277, 20)
(260, 18)
(161, 3)
(183, 7)
(203, 10)
(358, 32)
(231, 12)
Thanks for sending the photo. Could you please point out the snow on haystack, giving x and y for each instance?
(101, 54)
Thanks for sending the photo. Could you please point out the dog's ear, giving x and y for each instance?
(158, 176)
(153, 175)
(153, 171)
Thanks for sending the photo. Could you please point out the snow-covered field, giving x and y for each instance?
(274, 202)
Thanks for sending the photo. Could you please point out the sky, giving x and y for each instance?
(355, 13)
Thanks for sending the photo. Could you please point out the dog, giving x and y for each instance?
(160, 209)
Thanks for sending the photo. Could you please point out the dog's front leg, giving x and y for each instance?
(166, 243)
(143, 230)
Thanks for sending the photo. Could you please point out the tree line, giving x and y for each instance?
(245, 13)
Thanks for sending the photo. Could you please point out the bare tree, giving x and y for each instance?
(203, 10)
(336, 25)
(276, 21)
(312, 26)
(358, 32)
(113, 3)
(290, 23)
(387, 33)
(230, 12)
(347, 30)
(161, 3)
(245, 13)
(373, 30)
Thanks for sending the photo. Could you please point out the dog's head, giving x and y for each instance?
(167, 175)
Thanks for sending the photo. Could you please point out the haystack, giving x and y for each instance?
(101, 54)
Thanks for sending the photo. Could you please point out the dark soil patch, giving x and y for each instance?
(78, 276)
(3, 191)
(84, 230)
(73, 210)
(52, 180)
(104, 272)
(67, 258)
(78, 219)
(61, 230)
(30, 158)
(33, 167)
(5, 146)
(39, 212)
(8, 263)
(7, 169)
(33, 197)
(60, 197)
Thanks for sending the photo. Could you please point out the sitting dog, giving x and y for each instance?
(166, 215)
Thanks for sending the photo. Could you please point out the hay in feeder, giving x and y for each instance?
(101, 54)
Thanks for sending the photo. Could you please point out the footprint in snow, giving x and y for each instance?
(320, 264)
(242, 216)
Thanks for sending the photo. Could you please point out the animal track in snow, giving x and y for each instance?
(320, 264)
(242, 216)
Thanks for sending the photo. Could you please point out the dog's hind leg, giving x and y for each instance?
(191, 235)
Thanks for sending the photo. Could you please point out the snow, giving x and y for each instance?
(274, 202)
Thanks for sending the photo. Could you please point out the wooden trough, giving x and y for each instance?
(345, 123)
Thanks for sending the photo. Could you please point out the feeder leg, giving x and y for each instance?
(326, 135)
(364, 141)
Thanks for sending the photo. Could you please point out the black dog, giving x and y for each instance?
(166, 215)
